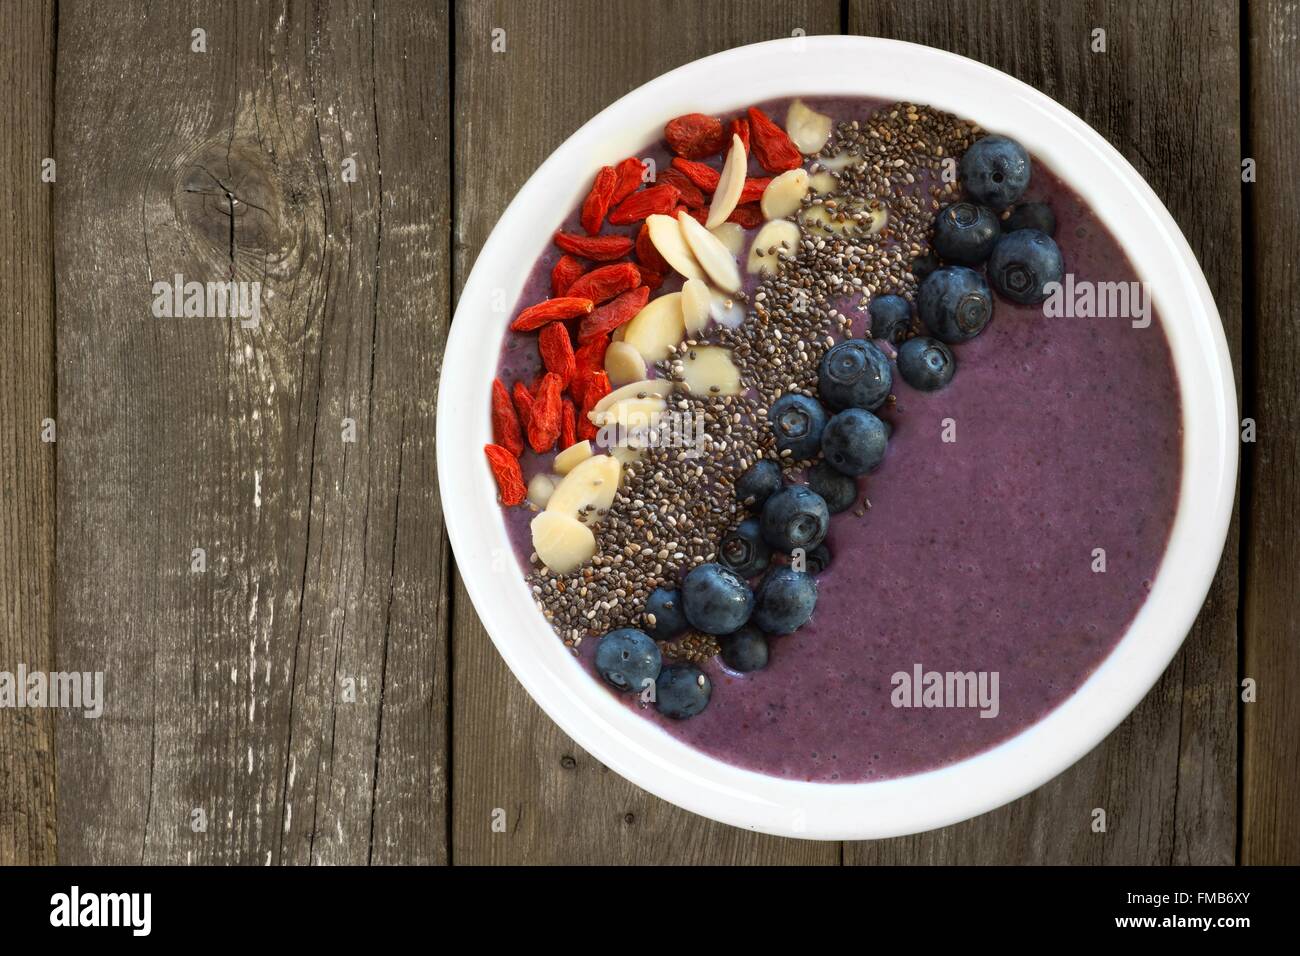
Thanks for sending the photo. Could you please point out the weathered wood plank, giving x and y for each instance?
(1270, 814)
(563, 63)
(1166, 94)
(295, 691)
(27, 830)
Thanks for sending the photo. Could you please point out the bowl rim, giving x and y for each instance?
(636, 748)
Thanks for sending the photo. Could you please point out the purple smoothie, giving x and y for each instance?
(977, 554)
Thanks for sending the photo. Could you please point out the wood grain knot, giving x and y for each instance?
(231, 194)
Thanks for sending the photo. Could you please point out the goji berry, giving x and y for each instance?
(568, 424)
(550, 310)
(613, 314)
(598, 387)
(658, 199)
(557, 351)
(602, 284)
(753, 190)
(705, 177)
(597, 248)
(506, 431)
(544, 422)
(628, 176)
(749, 216)
(566, 271)
(647, 254)
(505, 469)
(597, 203)
(589, 357)
(650, 279)
(699, 215)
(523, 403)
(773, 148)
(691, 194)
(695, 135)
(740, 127)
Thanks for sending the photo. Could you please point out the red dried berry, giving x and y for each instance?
(544, 422)
(650, 279)
(597, 248)
(551, 310)
(691, 194)
(613, 314)
(699, 215)
(740, 127)
(602, 284)
(505, 469)
(647, 254)
(657, 200)
(506, 430)
(557, 351)
(565, 272)
(629, 175)
(705, 177)
(695, 135)
(773, 148)
(753, 190)
(568, 424)
(749, 216)
(523, 403)
(598, 201)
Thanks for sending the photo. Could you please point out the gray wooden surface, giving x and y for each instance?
(323, 692)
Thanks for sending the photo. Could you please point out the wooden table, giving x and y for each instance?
(322, 691)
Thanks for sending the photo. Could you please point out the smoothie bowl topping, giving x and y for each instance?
(696, 405)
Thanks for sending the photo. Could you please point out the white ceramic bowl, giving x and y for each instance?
(635, 747)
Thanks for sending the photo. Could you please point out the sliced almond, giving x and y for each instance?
(540, 488)
(710, 253)
(823, 183)
(572, 456)
(588, 488)
(708, 370)
(696, 298)
(644, 388)
(731, 182)
(626, 454)
(624, 364)
(562, 542)
(777, 236)
(658, 328)
(631, 414)
(784, 194)
(731, 235)
(840, 162)
(809, 129)
(726, 309)
(668, 240)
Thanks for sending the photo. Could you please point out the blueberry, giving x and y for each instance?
(955, 303)
(891, 316)
(854, 441)
(965, 233)
(854, 374)
(818, 560)
(744, 550)
(785, 600)
(1031, 215)
(666, 606)
(1023, 263)
(925, 363)
(715, 599)
(758, 483)
(627, 658)
(745, 651)
(795, 517)
(995, 171)
(923, 265)
(838, 489)
(682, 691)
(798, 422)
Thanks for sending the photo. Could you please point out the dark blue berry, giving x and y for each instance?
(744, 550)
(1023, 263)
(854, 441)
(628, 659)
(758, 483)
(925, 363)
(682, 691)
(817, 560)
(716, 600)
(891, 317)
(1031, 215)
(923, 265)
(965, 233)
(795, 517)
(798, 422)
(745, 651)
(837, 488)
(995, 171)
(955, 303)
(785, 600)
(666, 606)
(854, 374)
